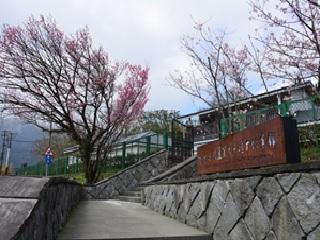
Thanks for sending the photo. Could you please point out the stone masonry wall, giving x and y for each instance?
(130, 177)
(183, 170)
(277, 207)
(50, 212)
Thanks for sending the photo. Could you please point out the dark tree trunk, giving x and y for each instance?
(86, 151)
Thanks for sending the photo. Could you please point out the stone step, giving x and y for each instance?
(133, 193)
(133, 199)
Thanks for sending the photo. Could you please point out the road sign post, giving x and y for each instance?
(48, 159)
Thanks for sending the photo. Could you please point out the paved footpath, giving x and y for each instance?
(113, 219)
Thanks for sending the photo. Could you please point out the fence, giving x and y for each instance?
(135, 148)
(122, 155)
(59, 166)
(305, 111)
(182, 145)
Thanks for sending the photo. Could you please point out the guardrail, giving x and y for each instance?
(304, 111)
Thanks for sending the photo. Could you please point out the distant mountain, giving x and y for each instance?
(24, 138)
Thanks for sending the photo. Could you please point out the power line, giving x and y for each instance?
(25, 141)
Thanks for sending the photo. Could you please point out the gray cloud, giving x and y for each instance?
(142, 31)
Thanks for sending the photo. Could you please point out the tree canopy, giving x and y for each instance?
(49, 76)
(289, 35)
(285, 48)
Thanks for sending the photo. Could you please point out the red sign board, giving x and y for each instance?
(270, 143)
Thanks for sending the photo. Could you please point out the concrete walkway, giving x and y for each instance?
(123, 220)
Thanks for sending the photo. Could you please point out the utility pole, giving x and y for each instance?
(2, 150)
(50, 133)
(9, 140)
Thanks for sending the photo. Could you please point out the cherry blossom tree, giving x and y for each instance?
(217, 73)
(48, 76)
(289, 33)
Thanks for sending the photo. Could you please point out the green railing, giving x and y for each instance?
(58, 167)
(306, 112)
(303, 110)
(122, 155)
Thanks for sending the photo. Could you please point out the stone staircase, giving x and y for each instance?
(183, 170)
(134, 195)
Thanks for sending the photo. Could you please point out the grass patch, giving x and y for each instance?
(310, 153)
(80, 177)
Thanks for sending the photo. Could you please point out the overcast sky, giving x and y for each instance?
(147, 32)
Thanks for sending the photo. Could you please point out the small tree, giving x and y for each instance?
(49, 76)
(217, 72)
(289, 35)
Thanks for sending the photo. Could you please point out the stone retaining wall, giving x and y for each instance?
(183, 170)
(276, 206)
(36, 208)
(130, 177)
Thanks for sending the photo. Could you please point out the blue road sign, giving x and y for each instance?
(48, 156)
(48, 159)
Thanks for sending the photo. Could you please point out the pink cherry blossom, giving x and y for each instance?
(51, 76)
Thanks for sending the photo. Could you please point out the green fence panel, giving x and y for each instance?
(223, 127)
(166, 140)
(122, 156)
(284, 109)
(309, 106)
(148, 146)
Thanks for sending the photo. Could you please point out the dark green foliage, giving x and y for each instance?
(309, 142)
(158, 121)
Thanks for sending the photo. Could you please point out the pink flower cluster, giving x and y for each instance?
(54, 71)
(132, 94)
